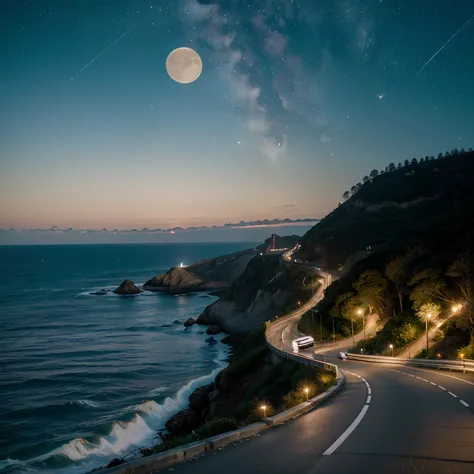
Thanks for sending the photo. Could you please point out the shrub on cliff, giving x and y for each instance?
(216, 427)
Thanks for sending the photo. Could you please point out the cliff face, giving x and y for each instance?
(267, 288)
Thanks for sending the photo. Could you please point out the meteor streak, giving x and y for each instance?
(106, 49)
(444, 46)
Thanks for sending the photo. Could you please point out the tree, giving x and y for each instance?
(353, 189)
(391, 167)
(462, 273)
(428, 285)
(374, 174)
(414, 161)
(406, 163)
(455, 152)
(365, 179)
(428, 311)
(427, 158)
(469, 150)
(462, 150)
(440, 155)
(346, 195)
(422, 160)
(432, 158)
(399, 166)
(336, 310)
(397, 269)
(358, 186)
(447, 154)
(372, 289)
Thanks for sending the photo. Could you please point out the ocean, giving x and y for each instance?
(87, 378)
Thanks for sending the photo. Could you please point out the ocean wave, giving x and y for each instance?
(89, 403)
(15, 463)
(157, 391)
(125, 435)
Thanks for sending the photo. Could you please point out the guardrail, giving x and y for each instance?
(464, 365)
(304, 359)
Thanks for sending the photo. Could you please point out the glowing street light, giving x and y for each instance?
(359, 312)
(307, 393)
(264, 409)
(391, 348)
(454, 309)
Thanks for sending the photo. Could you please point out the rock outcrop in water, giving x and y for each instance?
(127, 288)
(207, 275)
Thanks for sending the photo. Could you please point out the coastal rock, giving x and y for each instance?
(189, 322)
(213, 329)
(174, 280)
(115, 462)
(183, 422)
(211, 341)
(199, 399)
(99, 293)
(127, 288)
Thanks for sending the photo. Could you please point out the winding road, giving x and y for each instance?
(386, 419)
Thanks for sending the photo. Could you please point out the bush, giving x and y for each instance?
(216, 427)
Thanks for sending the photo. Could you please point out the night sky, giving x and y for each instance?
(296, 102)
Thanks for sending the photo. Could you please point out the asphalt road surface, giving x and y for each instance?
(407, 426)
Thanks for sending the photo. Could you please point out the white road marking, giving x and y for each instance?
(346, 433)
(441, 374)
(438, 386)
(354, 424)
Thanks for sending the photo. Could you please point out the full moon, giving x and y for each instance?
(184, 65)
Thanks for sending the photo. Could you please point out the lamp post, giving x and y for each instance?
(391, 348)
(463, 363)
(264, 409)
(359, 312)
(307, 393)
(352, 329)
(428, 316)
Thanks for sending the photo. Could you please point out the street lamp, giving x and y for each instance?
(307, 393)
(359, 312)
(463, 363)
(428, 316)
(352, 328)
(391, 348)
(264, 409)
(455, 309)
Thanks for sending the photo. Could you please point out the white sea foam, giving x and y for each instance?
(126, 435)
(157, 391)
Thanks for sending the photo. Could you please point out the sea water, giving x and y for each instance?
(86, 378)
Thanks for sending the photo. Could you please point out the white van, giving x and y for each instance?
(302, 343)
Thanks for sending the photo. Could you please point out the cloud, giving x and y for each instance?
(275, 55)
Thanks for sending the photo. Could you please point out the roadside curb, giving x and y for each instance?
(169, 458)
